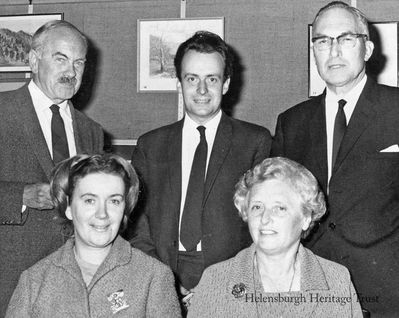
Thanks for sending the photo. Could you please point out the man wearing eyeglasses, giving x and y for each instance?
(348, 137)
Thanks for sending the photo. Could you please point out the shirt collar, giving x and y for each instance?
(351, 97)
(210, 125)
(41, 102)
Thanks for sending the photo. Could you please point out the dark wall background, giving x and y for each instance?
(268, 36)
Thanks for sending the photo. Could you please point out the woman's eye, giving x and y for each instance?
(89, 201)
(280, 209)
(257, 208)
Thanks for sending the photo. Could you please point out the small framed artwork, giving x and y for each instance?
(383, 64)
(157, 44)
(16, 33)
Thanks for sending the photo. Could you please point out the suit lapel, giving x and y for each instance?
(33, 131)
(220, 149)
(318, 141)
(79, 142)
(361, 118)
(174, 165)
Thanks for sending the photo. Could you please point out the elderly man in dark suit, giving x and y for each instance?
(348, 137)
(38, 128)
(189, 168)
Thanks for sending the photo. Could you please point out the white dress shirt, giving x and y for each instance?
(190, 141)
(331, 111)
(42, 104)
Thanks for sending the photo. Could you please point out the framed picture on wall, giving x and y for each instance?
(157, 44)
(16, 33)
(383, 64)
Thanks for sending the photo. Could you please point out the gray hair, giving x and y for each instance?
(360, 17)
(39, 38)
(297, 176)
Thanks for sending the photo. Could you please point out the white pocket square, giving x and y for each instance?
(393, 148)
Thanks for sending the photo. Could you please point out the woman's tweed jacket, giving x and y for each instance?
(230, 289)
(127, 284)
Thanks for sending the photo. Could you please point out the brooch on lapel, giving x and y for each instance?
(239, 290)
(117, 300)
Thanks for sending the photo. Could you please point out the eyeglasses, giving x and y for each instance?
(346, 41)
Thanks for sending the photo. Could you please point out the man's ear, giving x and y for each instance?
(178, 85)
(34, 61)
(369, 46)
(226, 85)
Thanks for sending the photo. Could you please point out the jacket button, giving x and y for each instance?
(332, 225)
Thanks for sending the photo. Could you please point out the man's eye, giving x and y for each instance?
(322, 41)
(212, 80)
(347, 38)
(79, 63)
(116, 201)
(192, 79)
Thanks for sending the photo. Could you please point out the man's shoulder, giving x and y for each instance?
(160, 132)
(83, 118)
(388, 92)
(9, 98)
(304, 108)
(247, 127)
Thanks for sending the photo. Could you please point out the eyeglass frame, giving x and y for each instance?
(356, 35)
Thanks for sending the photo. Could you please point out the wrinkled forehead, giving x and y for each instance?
(66, 38)
(336, 21)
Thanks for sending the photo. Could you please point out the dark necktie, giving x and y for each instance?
(58, 136)
(339, 130)
(191, 227)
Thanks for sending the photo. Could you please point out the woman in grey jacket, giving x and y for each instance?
(96, 273)
(276, 277)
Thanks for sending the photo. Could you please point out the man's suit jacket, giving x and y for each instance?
(238, 146)
(361, 230)
(25, 159)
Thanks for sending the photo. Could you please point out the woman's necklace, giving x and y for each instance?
(271, 281)
(256, 271)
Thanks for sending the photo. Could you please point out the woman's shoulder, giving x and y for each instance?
(229, 268)
(330, 268)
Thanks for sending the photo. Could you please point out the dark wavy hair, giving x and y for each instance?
(205, 42)
(68, 172)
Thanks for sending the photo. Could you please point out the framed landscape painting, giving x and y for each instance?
(16, 33)
(157, 44)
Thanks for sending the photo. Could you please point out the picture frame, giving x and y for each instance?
(158, 40)
(383, 64)
(16, 33)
